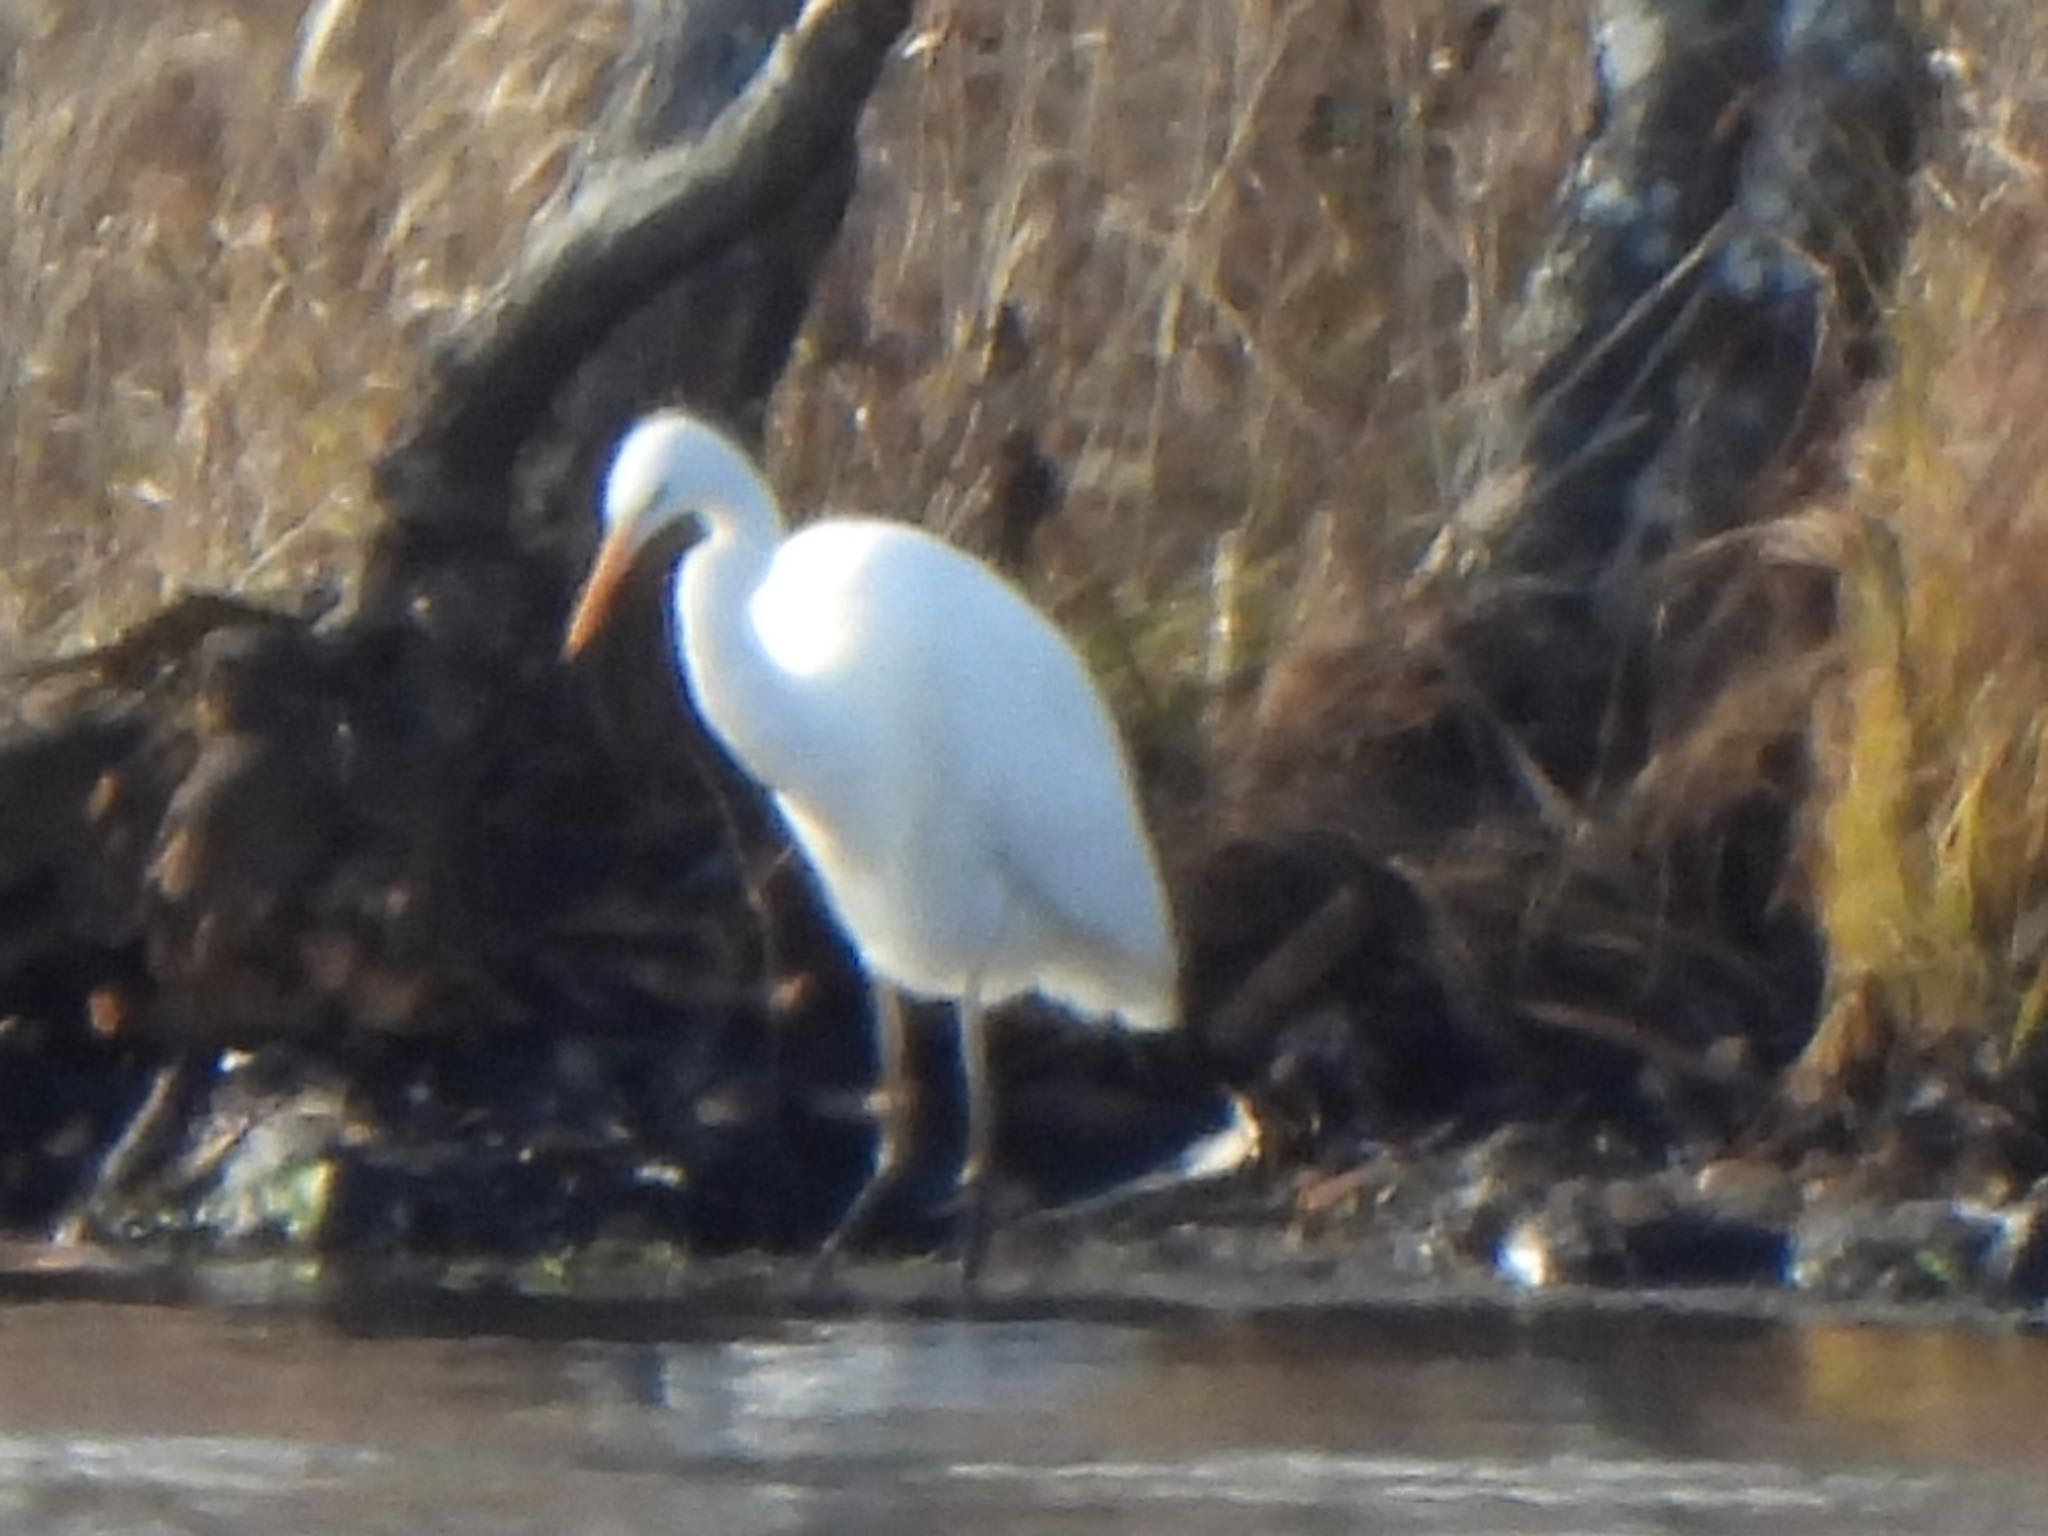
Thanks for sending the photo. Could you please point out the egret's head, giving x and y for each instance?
(670, 470)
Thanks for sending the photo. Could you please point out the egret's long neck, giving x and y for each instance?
(756, 708)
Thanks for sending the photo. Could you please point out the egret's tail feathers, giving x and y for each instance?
(1152, 1013)
(1136, 1001)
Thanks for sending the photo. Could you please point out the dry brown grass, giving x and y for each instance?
(1245, 269)
(226, 242)
(1261, 256)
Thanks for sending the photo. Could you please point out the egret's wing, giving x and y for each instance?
(972, 718)
(1068, 830)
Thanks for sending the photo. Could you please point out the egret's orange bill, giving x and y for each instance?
(600, 588)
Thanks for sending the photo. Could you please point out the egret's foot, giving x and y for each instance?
(859, 1217)
(822, 1279)
(977, 1231)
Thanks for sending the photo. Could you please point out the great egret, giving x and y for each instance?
(936, 747)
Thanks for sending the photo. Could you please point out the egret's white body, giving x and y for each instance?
(935, 744)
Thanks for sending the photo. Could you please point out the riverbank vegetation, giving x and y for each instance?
(1204, 320)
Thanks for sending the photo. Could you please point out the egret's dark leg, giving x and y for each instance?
(895, 1119)
(976, 1173)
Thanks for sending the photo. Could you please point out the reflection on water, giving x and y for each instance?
(121, 1421)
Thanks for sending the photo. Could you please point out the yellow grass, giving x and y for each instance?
(1930, 851)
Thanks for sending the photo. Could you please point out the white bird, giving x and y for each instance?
(936, 747)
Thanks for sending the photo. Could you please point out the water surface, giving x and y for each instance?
(124, 1420)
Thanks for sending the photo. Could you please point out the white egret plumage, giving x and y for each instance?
(935, 745)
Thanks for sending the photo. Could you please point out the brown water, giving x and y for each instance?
(121, 1421)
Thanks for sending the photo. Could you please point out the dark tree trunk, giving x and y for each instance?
(406, 845)
(1566, 764)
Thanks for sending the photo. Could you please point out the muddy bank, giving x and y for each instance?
(381, 934)
(1414, 1251)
